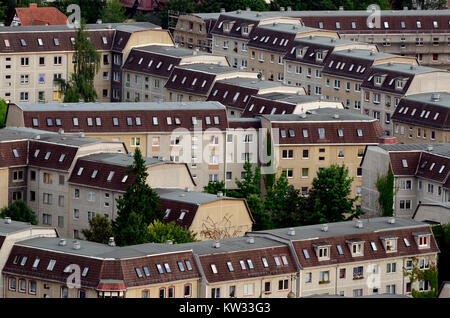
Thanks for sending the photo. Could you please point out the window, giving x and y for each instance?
(187, 290)
(12, 284)
(342, 273)
(248, 289)
(324, 277)
(390, 289)
(283, 284)
(391, 267)
(214, 269)
(358, 272)
(308, 277)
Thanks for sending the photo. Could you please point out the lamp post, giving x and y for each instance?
(291, 294)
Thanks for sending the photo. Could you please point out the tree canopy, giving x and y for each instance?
(114, 12)
(99, 231)
(159, 232)
(19, 211)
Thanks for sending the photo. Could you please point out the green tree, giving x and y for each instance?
(442, 237)
(250, 183)
(99, 231)
(138, 207)
(262, 217)
(114, 12)
(87, 65)
(330, 196)
(3, 109)
(19, 211)
(429, 276)
(215, 187)
(385, 187)
(182, 6)
(160, 232)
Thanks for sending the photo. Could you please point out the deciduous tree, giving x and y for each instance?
(99, 230)
(160, 232)
(19, 211)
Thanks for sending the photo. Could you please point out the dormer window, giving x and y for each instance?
(319, 56)
(322, 251)
(356, 247)
(389, 244)
(399, 84)
(422, 239)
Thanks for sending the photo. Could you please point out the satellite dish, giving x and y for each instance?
(259, 75)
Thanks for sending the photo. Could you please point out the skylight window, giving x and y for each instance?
(160, 269)
(158, 65)
(188, 265)
(40, 42)
(374, 247)
(36, 153)
(180, 266)
(36, 263)
(283, 133)
(262, 109)
(85, 271)
(264, 261)
(291, 133)
(47, 155)
(339, 249)
(94, 174)
(436, 116)
(56, 41)
(250, 264)
(305, 133)
(305, 253)
(80, 171)
(61, 158)
(284, 260)
(404, 163)
(442, 168)
(150, 64)
(124, 179)
(340, 133)
(182, 215)
(405, 240)
(104, 40)
(15, 153)
(214, 269)
(167, 267)
(432, 166)
(140, 60)
(242, 263)
(230, 267)
(183, 80)
(413, 111)
(23, 42)
(24, 261)
(359, 132)
(51, 265)
(110, 176)
(138, 272)
(7, 44)
(204, 83)
(170, 67)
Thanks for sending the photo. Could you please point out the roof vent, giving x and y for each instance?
(62, 242)
(222, 10)
(291, 231)
(310, 37)
(220, 194)
(359, 224)
(216, 244)
(81, 134)
(325, 227)
(413, 67)
(435, 97)
(248, 9)
(430, 148)
(341, 8)
(111, 241)
(251, 240)
(349, 50)
(303, 115)
(7, 220)
(391, 220)
(187, 189)
(99, 21)
(238, 11)
(289, 8)
(37, 137)
(281, 9)
(170, 242)
(182, 195)
(76, 245)
(274, 24)
(372, 52)
(405, 8)
(60, 131)
(336, 116)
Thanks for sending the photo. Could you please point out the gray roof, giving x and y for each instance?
(209, 68)
(407, 68)
(120, 159)
(12, 134)
(244, 119)
(287, 28)
(364, 54)
(126, 27)
(169, 50)
(320, 114)
(206, 16)
(13, 227)
(323, 41)
(370, 225)
(289, 98)
(250, 82)
(444, 99)
(192, 197)
(442, 149)
(119, 106)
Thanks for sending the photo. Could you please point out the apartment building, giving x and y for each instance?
(344, 72)
(304, 143)
(352, 259)
(422, 34)
(98, 180)
(387, 83)
(192, 133)
(359, 258)
(303, 63)
(210, 216)
(194, 82)
(148, 68)
(12, 232)
(284, 103)
(235, 93)
(193, 31)
(271, 42)
(33, 56)
(421, 175)
(428, 120)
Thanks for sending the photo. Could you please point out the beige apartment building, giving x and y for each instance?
(194, 82)
(148, 68)
(421, 175)
(344, 72)
(193, 31)
(305, 143)
(350, 259)
(428, 120)
(192, 133)
(304, 62)
(387, 83)
(32, 58)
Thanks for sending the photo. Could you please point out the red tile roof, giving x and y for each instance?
(7, 158)
(138, 61)
(439, 165)
(412, 159)
(56, 153)
(219, 89)
(34, 15)
(176, 208)
(181, 79)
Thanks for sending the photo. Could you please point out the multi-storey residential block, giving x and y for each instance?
(235, 93)
(193, 31)
(148, 68)
(13, 231)
(386, 84)
(98, 180)
(344, 72)
(210, 216)
(421, 175)
(284, 103)
(270, 43)
(304, 143)
(352, 259)
(423, 118)
(33, 56)
(194, 82)
(303, 63)
(192, 133)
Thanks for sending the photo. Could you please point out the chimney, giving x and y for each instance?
(216, 244)
(37, 137)
(359, 224)
(429, 148)
(435, 97)
(251, 240)
(391, 220)
(187, 189)
(238, 11)
(325, 227)
(111, 241)
(336, 116)
(99, 21)
(76, 245)
(62, 242)
(7, 220)
(387, 140)
(32, 5)
(291, 231)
